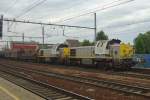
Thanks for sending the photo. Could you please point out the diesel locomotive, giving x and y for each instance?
(106, 54)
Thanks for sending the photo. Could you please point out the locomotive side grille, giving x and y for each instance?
(73, 52)
(41, 53)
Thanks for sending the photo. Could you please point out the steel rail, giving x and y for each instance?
(46, 91)
(137, 90)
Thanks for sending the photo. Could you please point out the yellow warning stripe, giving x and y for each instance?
(9, 93)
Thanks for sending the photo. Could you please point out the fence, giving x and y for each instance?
(143, 59)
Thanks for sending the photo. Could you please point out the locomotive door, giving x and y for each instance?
(115, 53)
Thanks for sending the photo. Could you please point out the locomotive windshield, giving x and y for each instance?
(61, 46)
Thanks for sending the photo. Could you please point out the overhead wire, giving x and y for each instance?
(127, 24)
(9, 8)
(79, 15)
(98, 9)
(72, 6)
(67, 8)
(37, 2)
(110, 7)
(126, 30)
(34, 5)
(131, 30)
(21, 36)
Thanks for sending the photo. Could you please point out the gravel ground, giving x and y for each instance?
(10, 91)
(93, 92)
(97, 93)
(77, 72)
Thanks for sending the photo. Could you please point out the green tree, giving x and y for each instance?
(101, 36)
(86, 43)
(141, 43)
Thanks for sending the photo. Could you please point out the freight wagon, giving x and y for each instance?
(22, 50)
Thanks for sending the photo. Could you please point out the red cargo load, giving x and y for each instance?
(32, 46)
(23, 46)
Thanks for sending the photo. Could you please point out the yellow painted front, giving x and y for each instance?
(126, 50)
(66, 52)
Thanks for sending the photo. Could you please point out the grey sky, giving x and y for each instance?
(114, 21)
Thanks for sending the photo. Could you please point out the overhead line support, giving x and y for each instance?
(41, 23)
(95, 27)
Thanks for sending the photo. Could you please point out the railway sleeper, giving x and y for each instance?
(59, 97)
(66, 98)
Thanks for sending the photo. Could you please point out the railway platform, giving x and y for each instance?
(10, 91)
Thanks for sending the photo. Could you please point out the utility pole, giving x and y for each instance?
(7, 45)
(43, 33)
(95, 27)
(23, 37)
(1, 26)
(64, 31)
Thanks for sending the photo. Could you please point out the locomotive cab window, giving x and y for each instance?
(98, 44)
(61, 46)
(101, 44)
(115, 52)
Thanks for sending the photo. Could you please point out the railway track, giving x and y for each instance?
(135, 72)
(141, 70)
(135, 90)
(44, 90)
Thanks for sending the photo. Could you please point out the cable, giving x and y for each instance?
(101, 9)
(120, 32)
(67, 8)
(40, 23)
(32, 7)
(85, 13)
(15, 2)
(21, 36)
(128, 24)
(44, 1)
(96, 10)
(72, 6)
(80, 11)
